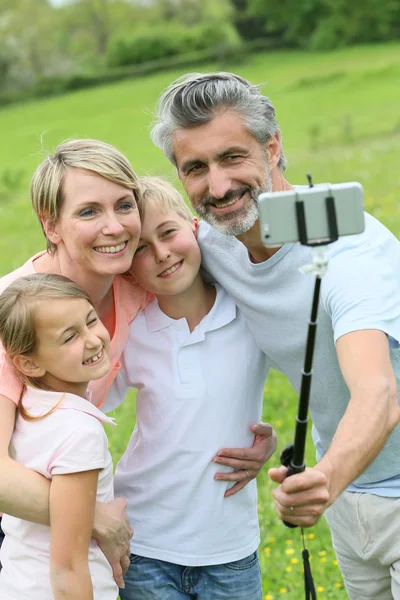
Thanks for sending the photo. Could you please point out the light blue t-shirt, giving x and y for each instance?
(361, 290)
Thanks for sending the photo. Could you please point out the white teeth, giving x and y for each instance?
(93, 358)
(225, 204)
(110, 249)
(171, 269)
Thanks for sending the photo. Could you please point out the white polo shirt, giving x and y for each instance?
(198, 392)
(70, 440)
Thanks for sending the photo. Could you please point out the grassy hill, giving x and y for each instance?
(339, 117)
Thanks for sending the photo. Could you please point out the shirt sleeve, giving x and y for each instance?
(361, 291)
(117, 392)
(83, 449)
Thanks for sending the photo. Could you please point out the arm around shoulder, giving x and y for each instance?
(23, 493)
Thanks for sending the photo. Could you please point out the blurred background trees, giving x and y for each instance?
(48, 46)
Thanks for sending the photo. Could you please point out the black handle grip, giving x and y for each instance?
(286, 457)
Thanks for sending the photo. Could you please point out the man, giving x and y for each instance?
(221, 134)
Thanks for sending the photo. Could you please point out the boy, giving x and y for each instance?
(200, 378)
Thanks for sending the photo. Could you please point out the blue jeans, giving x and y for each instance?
(151, 579)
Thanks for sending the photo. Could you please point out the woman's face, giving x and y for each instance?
(99, 224)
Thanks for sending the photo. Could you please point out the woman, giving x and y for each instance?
(85, 197)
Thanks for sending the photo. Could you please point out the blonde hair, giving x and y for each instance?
(93, 155)
(17, 316)
(161, 194)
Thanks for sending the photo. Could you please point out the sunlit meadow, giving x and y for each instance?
(339, 115)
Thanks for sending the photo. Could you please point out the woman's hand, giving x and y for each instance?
(112, 532)
(247, 462)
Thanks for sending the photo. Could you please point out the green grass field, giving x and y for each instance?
(339, 117)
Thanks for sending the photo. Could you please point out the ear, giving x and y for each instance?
(50, 229)
(178, 172)
(27, 366)
(195, 226)
(273, 149)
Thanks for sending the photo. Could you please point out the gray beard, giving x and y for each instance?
(239, 221)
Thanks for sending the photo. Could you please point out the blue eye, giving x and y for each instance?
(86, 213)
(127, 206)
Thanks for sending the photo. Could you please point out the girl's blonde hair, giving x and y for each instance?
(93, 155)
(161, 194)
(17, 316)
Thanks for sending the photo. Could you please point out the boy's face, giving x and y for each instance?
(167, 260)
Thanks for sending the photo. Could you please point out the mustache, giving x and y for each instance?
(230, 195)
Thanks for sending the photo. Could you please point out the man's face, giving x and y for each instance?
(223, 169)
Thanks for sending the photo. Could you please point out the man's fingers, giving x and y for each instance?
(277, 475)
(235, 488)
(237, 464)
(310, 479)
(298, 515)
(125, 562)
(262, 429)
(244, 475)
(250, 454)
(117, 573)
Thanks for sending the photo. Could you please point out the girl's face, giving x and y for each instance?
(167, 260)
(73, 344)
(99, 223)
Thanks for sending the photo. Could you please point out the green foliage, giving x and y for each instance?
(161, 42)
(346, 23)
(327, 24)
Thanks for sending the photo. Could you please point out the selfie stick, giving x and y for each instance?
(292, 456)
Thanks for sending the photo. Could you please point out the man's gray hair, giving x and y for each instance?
(196, 98)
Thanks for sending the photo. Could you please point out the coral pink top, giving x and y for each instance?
(129, 298)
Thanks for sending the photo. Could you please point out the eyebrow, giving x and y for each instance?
(231, 150)
(170, 221)
(160, 226)
(97, 203)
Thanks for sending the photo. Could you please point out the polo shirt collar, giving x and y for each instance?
(157, 320)
(38, 402)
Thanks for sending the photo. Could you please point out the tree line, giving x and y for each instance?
(47, 47)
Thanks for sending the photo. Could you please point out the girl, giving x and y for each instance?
(55, 340)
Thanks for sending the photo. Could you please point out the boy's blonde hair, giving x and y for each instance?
(17, 314)
(161, 194)
(47, 182)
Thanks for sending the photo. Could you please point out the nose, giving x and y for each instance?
(161, 252)
(92, 340)
(112, 225)
(219, 181)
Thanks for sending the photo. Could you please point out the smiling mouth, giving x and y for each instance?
(227, 203)
(171, 270)
(110, 249)
(94, 359)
